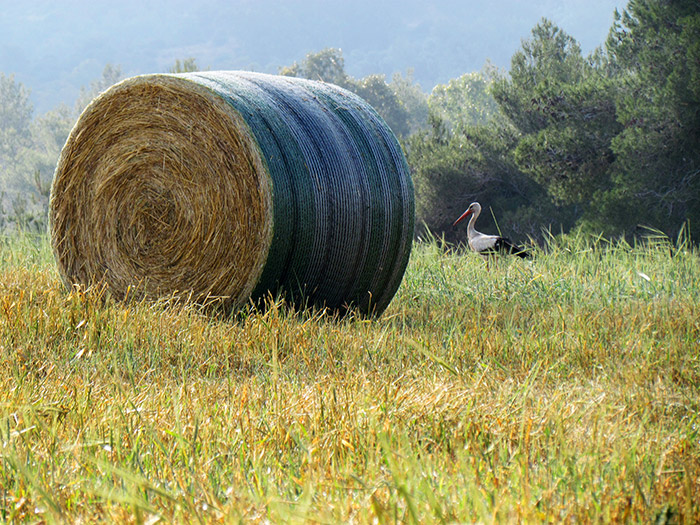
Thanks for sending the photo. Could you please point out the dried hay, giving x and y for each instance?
(233, 185)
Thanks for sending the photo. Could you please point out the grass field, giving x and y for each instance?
(566, 388)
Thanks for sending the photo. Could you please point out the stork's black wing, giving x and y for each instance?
(504, 245)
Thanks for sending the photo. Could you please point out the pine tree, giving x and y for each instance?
(562, 104)
(655, 46)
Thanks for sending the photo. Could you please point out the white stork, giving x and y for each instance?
(487, 244)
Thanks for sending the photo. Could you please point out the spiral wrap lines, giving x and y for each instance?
(233, 185)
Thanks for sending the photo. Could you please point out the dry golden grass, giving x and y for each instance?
(563, 389)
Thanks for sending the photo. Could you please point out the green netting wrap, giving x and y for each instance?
(233, 185)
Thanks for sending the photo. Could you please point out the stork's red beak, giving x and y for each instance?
(462, 217)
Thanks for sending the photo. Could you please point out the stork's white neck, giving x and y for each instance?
(471, 230)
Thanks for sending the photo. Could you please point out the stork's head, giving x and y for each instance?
(474, 208)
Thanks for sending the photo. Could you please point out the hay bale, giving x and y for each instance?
(233, 185)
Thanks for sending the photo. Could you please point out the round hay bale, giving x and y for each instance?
(233, 185)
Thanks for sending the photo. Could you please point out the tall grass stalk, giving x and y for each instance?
(565, 388)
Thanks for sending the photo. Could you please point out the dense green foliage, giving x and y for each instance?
(563, 112)
(608, 142)
(465, 100)
(453, 168)
(654, 49)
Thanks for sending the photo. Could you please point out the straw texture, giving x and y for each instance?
(233, 185)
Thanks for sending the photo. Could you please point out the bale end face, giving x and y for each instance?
(161, 191)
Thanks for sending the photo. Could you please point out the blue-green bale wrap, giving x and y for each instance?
(307, 182)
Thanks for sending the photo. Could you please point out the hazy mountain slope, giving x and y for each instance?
(56, 47)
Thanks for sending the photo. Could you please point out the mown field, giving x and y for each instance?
(561, 389)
